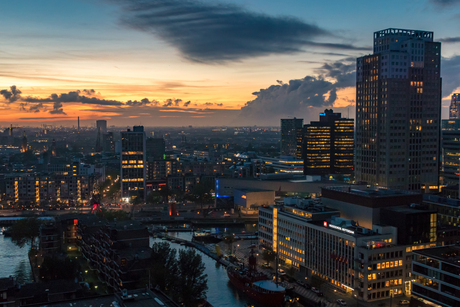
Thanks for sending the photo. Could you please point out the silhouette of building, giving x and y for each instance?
(155, 148)
(290, 130)
(398, 111)
(101, 127)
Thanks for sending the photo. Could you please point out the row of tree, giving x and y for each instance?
(179, 276)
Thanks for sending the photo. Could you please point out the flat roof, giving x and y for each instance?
(369, 192)
(449, 254)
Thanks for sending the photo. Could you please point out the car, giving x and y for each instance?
(319, 293)
(404, 302)
(341, 302)
(300, 283)
(307, 286)
(314, 289)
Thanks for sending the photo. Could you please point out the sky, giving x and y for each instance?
(200, 63)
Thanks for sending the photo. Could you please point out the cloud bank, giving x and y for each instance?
(217, 33)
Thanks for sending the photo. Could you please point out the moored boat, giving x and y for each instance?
(256, 285)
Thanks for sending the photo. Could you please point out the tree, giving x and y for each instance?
(25, 231)
(268, 255)
(201, 194)
(192, 282)
(154, 197)
(164, 270)
(111, 215)
(54, 268)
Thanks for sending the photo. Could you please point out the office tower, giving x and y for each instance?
(398, 111)
(328, 145)
(290, 128)
(101, 127)
(133, 163)
(454, 106)
(450, 151)
(109, 143)
(155, 148)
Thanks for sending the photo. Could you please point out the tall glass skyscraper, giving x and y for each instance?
(398, 111)
(291, 129)
(454, 109)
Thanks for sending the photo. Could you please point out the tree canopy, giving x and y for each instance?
(25, 231)
(111, 215)
(268, 256)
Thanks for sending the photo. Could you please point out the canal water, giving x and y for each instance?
(221, 293)
(14, 261)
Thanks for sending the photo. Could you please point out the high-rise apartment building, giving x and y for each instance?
(133, 163)
(454, 109)
(290, 130)
(155, 148)
(398, 111)
(328, 145)
(450, 151)
(101, 127)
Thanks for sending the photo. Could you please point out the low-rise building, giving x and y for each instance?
(436, 276)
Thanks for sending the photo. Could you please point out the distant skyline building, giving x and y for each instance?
(450, 151)
(398, 111)
(328, 145)
(132, 160)
(454, 109)
(101, 128)
(155, 148)
(291, 128)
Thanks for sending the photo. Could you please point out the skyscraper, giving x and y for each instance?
(290, 129)
(454, 109)
(133, 163)
(398, 111)
(328, 145)
(101, 127)
(155, 148)
(450, 151)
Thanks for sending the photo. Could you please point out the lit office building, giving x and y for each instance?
(328, 145)
(436, 276)
(398, 111)
(450, 151)
(132, 160)
(317, 242)
(454, 109)
(290, 130)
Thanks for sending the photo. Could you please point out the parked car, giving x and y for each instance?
(314, 289)
(281, 272)
(404, 302)
(319, 293)
(300, 283)
(341, 302)
(307, 286)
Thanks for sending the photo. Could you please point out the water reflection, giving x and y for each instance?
(14, 261)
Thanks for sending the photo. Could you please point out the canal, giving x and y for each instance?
(14, 261)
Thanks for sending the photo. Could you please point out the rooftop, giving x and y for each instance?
(363, 190)
(441, 200)
(450, 254)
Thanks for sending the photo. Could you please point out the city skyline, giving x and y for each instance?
(106, 61)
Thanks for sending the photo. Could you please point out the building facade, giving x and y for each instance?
(132, 162)
(454, 109)
(450, 151)
(290, 130)
(101, 130)
(328, 145)
(436, 275)
(317, 242)
(398, 111)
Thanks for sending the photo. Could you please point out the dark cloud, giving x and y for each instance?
(187, 103)
(219, 104)
(217, 33)
(11, 95)
(450, 39)
(298, 97)
(168, 103)
(57, 108)
(89, 92)
(74, 96)
(445, 3)
(208, 103)
(450, 74)
(143, 102)
(177, 101)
